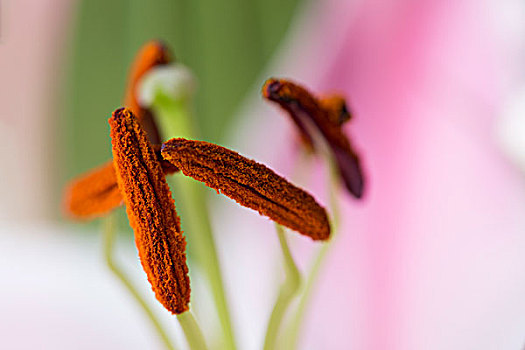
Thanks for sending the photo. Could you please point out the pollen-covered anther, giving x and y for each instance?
(250, 184)
(96, 193)
(152, 54)
(328, 115)
(93, 194)
(336, 108)
(151, 212)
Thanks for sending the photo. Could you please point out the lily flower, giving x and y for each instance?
(151, 210)
(320, 116)
(136, 177)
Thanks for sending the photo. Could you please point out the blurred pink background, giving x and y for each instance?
(433, 257)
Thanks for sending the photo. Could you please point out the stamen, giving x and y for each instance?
(93, 194)
(151, 212)
(250, 184)
(152, 54)
(336, 108)
(274, 89)
(96, 193)
(328, 116)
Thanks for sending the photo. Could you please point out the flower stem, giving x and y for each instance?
(292, 333)
(288, 290)
(108, 244)
(192, 331)
(175, 119)
(198, 223)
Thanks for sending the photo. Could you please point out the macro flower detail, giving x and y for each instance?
(92, 194)
(136, 178)
(327, 115)
(151, 212)
(95, 193)
(152, 54)
(250, 184)
(335, 105)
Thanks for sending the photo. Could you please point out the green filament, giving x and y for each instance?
(294, 328)
(192, 331)
(108, 245)
(174, 117)
(287, 292)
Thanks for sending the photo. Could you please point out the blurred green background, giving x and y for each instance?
(226, 43)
